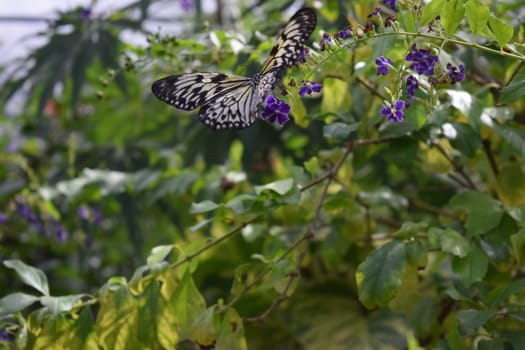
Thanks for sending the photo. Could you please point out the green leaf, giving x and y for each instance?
(503, 32)
(16, 302)
(514, 90)
(31, 276)
(431, 11)
(281, 187)
(338, 131)
(517, 241)
(148, 311)
(417, 254)
(467, 104)
(513, 134)
(452, 14)
(449, 241)
(472, 319)
(380, 275)
(463, 138)
(203, 207)
(312, 166)
(116, 324)
(58, 305)
(231, 332)
(336, 98)
(241, 204)
(511, 185)
(159, 254)
(477, 16)
(483, 212)
(471, 268)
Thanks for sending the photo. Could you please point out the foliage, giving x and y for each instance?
(387, 213)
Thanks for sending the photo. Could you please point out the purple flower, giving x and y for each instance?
(394, 112)
(97, 217)
(383, 64)
(456, 74)
(3, 218)
(82, 212)
(85, 14)
(324, 41)
(308, 87)
(61, 233)
(343, 33)
(390, 20)
(391, 4)
(423, 61)
(412, 86)
(275, 110)
(4, 336)
(186, 4)
(26, 213)
(302, 55)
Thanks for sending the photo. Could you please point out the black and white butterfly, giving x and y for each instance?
(230, 101)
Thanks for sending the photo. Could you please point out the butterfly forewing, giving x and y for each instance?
(230, 101)
(192, 90)
(290, 43)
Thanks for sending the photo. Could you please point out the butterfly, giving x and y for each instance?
(230, 101)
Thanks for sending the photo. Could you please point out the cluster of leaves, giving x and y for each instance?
(405, 234)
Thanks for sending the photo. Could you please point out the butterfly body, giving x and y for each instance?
(230, 101)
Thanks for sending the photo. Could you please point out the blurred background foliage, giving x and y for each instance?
(95, 173)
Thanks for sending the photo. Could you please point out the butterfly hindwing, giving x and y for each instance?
(230, 101)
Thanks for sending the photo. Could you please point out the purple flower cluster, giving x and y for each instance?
(90, 215)
(49, 226)
(275, 110)
(343, 33)
(309, 87)
(423, 61)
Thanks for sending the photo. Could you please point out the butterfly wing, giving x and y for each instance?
(290, 43)
(225, 99)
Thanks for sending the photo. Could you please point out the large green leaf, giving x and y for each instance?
(483, 212)
(380, 275)
(30, 275)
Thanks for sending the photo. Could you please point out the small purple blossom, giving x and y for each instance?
(3, 218)
(82, 212)
(394, 112)
(85, 14)
(97, 217)
(383, 64)
(423, 61)
(456, 74)
(4, 336)
(303, 54)
(325, 40)
(61, 233)
(412, 86)
(308, 87)
(343, 33)
(391, 3)
(275, 110)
